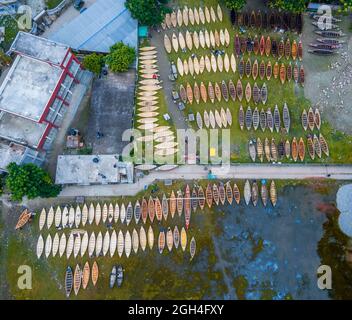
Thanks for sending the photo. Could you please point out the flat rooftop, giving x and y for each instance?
(28, 87)
(10, 153)
(39, 48)
(21, 130)
(72, 169)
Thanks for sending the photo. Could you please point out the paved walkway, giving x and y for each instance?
(198, 172)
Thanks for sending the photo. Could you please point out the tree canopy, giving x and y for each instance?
(120, 57)
(235, 4)
(148, 12)
(31, 181)
(93, 62)
(295, 6)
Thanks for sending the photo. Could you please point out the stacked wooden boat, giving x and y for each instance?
(148, 105)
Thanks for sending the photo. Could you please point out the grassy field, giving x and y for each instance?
(291, 93)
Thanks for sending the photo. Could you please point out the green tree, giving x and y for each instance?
(295, 6)
(148, 12)
(31, 181)
(346, 6)
(93, 62)
(120, 57)
(235, 4)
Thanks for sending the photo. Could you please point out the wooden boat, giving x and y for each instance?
(128, 244)
(99, 244)
(77, 279)
(179, 18)
(199, 120)
(273, 193)
(287, 149)
(189, 93)
(167, 44)
(189, 41)
(179, 203)
(196, 93)
(267, 150)
(55, 244)
(232, 90)
(248, 118)
(119, 275)
(301, 149)
(304, 119)
(206, 119)
(113, 243)
(248, 92)
(95, 273)
(142, 238)
(179, 64)
(249, 45)
(183, 239)
(286, 118)
(281, 149)
(224, 91)
(212, 14)
(248, 68)
(129, 213)
(277, 121)
(216, 196)
(192, 248)
(281, 50)
(247, 192)
(260, 149)
(252, 20)
(213, 63)
(196, 66)
(324, 145)
(70, 245)
(269, 120)
(264, 194)
(40, 246)
(212, 39)
(288, 49)
(85, 275)
(58, 217)
(190, 66)
(150, 237)
(311, 119)
(255, 69)
(222, 195)
(252, 150)
(239, 90)
(217, 91)
(183, 93)
(229, 193)
(317, 146)
(264, 94)
(322, 52)
(209, 196)
(255, 45)
(300, 50)
(50, 218)
(262, 45)
(112, 277)
(218, 118)
(274, 48)
(151, 209)
(282, 73)
(246, 19)
(330, 33)
(334, 42)
(71, 217)
(158, 209)
(161, 242)
(294, 50)
(310, 146)
(223, 117)
(104, 213)
(268, 46)
(68, 281)
(237, 45)
(24, 218)
(174, 41)
(256, 93)
(262, 120)
(273, 149)
(255, 118)
(301, 75)
(295, 73)
(229, 117)
(77, 245)
(294, 149)
(317, 118)
(135, 241)
(187, 204)
(201, 65)
(276, 70)
(173, 19)
(241, 117)
(255, 193)
(201, 198)
(211, 92)
(236, 193)
(289, 72)
(227, 37)
(226, 63)
(271, 20)
(241, 68)
(194, 200)
(217, 38)
(262, 70)
(233, 63)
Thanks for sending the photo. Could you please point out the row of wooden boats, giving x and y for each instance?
(218, 118)
(109, 244)
(265, 119)
(267, 20)
(207, 39)
(272, 151)
(223, 91)
(195, 66)
(80, 278)
(251, 193)
(268, 46)
(311, 119)
(187, 16)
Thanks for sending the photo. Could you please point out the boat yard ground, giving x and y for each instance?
(238, 254)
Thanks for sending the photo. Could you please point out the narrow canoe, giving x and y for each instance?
(144, 210)
(262, 69)
(194, 200)
(216, 196)
(267, 150)
(128, 244)
(142, 238)
(255, 193)
(294, 148)
(85, 275)
(187, 203)
(273, 193)
(176, 235)
(324, 145)
(77, 279)
(209, 195)
(172, 204)
(262, 120)
(135, 241)
(161, 242)
(95, 273)
(158, 209)
(273, 149)
(270, 120)
(236, 193)
(241, 117)
(179, 203)
(264, 194)
(68, 281)
(247, 192)
(222, 194)
(169, 239)
(183, 239)
(301, 149)
(129, 213)
(151, 209)
(304, 120)
(201, 198)
(192, 248)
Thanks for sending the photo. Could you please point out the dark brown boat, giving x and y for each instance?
(209, 196)
(255, 118)
(268, 46)
(295, 73)
(262, 120)
(288, 49)
(281, 149)
(265, 21)
(262, 70)
(301, 149)
(322, 52)
(330, 33)
(277, 121)
(233, 17)
(311, 122)
(216, 196)
(299, 23)
(253, 20)
(232, 90)
(270, 120)
(239, 90)
(179, 202)
(256, 45)
(301, 75)
(241, 117)
(194, 200)
(293, 22)
(222, 194)
(224, 91)
(276, 70)
(201, 198)
(264, 93)
(268, 71)
(281, 49)
(332, 41)
(289, 72)
(256, 93)
(300, 50)
(241, 68)
(255, 69)
(151, 209)
(294, 149)
(304, 119)
(278, 20)
(262, 45)
(243, 42)
(286, 20)
(272, 20)
(249, 45)
(229, 193)
(246, 19)
(237, 45)
(187, 203)
(248, 68)
(249, 118)
(255, 193)
(274, 48)
(323, 46)
(310, 147)
(258, 22)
